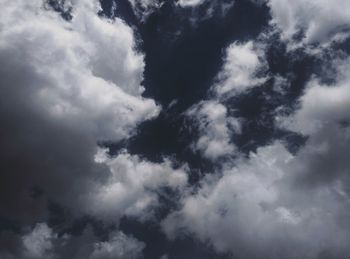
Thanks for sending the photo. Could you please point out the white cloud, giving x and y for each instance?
(239, 70)
(215, 128)
(277, 205)
(119, 246)
(66, 86)
(87, 71)
(323, 106)
(238, 75)
(190, 3)
(131, 189)
(256, 210)
(143, 8)
(43, 242)
(320, 19)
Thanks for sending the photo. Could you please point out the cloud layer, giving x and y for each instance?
(69, 86)
(275, 204)
(318, 20)
(65, 87)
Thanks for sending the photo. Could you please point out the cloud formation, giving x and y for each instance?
(132, 187)
(239, 72)
(188, 3)
(256, 210)
(215, 129)
(274, 204)
(38, 243)
(119, 246)
(143, 8)
(319, 20)
(66, 86)
(238, 75)
(43, 242)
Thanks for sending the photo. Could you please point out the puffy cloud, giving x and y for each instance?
(318, 19)
(256, 210)
(65, 86)
(38, 243)
(324, 117)
(119, 246)
(323, 106)
(143, 8)
(238, 74)
(277, 205)
(211, 5)
(187, 3)
(201, 10)
(215, 129)
(85, 71)
(43, 242)
(133, 185)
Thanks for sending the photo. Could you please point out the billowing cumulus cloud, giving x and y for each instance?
(324, 117)
(118, 246)
(319, 20)
(274, 204)
(133, 186)
(38, 243)
(256, 210)
(75, 79)
(83, 167)
(66, 86)
(43, 242)
(238, 75)
(215, 129)
(324, 106)
(239, 72)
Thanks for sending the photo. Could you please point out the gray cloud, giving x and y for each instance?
(58, 100)
(238, 75)
(215, 128)
(119, 246)
(65, 86)
(239, 72)
(274, 204)
(143, 8)
(319, 19)
(43, 242)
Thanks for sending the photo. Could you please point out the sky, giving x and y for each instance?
(174, 129)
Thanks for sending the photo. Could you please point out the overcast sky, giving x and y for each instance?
(174, 129)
